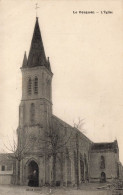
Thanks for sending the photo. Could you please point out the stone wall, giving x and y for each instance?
(6, 169)
(111, 160)
(83, 144)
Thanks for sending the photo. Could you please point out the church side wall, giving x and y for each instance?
(110, 169)
(83, 154)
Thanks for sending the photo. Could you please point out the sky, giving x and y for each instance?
(86, 55)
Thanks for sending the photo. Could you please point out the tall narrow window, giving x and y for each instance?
(36, 85)
(81, 168)
(29, 86)
(85, 159)
(3, 168)
(68, 171)
(48, 89)
(102, 164)
(86, 167)
(32, 113)
(75, 166)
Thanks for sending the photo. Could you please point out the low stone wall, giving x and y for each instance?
(6, 179)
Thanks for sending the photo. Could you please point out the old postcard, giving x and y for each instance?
(61, 97)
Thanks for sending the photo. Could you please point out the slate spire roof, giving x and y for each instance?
(37, 55)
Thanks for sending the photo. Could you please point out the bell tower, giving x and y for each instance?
(35, 110)
(36, 103)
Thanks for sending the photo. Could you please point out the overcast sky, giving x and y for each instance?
(86, 55)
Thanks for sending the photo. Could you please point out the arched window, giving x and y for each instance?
(85, 159)
(102, 163)
(67, 153)
(3, 168)
(48, 88)
(81, 168)
(36, 85)
(29, 88)
(75, 166)
(32, 113)
(68, 171)
(86, 167)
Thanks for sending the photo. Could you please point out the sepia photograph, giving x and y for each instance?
(61, 97)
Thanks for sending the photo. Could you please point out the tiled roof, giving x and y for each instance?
(105, 146)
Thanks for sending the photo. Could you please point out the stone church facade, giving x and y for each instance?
(50, 151)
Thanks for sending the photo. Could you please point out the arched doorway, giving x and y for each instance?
(103, 177)
(33, 174)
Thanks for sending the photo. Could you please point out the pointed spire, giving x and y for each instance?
(48, 64)
(37, 54)
(24, 60)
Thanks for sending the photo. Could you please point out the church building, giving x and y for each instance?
(50, 151)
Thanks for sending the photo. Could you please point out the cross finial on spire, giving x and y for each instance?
(36, 7)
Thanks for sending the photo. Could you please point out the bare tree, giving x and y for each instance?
(56, 139)
(79, 126)
(17, 148)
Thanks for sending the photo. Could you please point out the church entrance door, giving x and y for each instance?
(103, 177)
(33, 174)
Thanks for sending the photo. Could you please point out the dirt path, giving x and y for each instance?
(18, 190)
